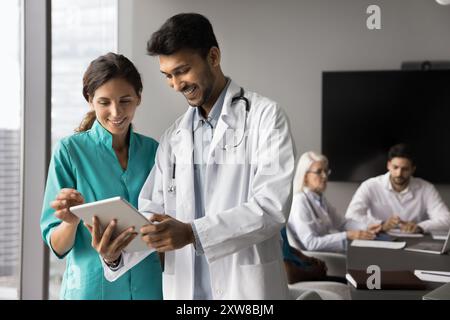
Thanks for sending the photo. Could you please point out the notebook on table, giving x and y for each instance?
(433, 275)
(431, 247)
(378, 244)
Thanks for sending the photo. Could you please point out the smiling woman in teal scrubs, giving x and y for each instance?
(104, 159)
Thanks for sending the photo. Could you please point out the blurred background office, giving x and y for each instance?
(277, 48)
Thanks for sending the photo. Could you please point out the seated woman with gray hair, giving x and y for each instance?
(313, 222)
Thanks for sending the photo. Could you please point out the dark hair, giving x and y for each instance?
(101, 70)
(183, 31)
(402, 150)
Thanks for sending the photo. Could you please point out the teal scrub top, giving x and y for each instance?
(86, 162)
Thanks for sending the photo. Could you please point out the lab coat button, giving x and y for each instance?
(219, 292)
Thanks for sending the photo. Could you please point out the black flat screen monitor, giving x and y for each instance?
(364, 113)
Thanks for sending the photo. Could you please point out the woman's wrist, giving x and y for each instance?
(113, 263)
(72, 222)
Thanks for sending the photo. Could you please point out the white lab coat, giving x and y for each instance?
(311, 227)
(375, 201)
(246, 204)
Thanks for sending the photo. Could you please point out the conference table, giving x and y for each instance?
(396, 259)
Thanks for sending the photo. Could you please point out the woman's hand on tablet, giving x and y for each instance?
(110, 249)
(64, 200)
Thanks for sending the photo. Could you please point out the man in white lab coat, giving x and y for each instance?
(399, 200)
(221, 185)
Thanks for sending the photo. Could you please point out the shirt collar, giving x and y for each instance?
(401, 192)
(99, 133)
(215, 112)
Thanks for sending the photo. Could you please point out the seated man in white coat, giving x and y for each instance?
(399, 200)
(220, 187)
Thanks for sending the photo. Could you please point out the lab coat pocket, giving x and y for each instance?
(260, 281)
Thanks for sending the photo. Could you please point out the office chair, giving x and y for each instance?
(336, 262)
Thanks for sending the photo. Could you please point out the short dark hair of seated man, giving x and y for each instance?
(402, 150)
(300, 267)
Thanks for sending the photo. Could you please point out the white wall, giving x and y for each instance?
(280, 48)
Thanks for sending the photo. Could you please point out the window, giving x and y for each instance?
(81, 31)
(10, 125)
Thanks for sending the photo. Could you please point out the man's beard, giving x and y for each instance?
(401, 182)
(208, 74)
(206, 96)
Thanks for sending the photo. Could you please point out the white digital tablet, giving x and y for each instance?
(114, 208)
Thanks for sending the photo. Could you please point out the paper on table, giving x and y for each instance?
(400, 233)
(439, 235)
(433, 276)
(378, 244)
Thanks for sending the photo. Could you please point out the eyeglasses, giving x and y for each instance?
(321, 172)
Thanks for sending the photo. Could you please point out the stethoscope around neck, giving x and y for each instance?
(247, 109)
(240, 97)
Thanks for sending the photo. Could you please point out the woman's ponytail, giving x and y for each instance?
(87, 122)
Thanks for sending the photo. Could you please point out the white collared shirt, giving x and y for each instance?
(203, 131)
(376, 200)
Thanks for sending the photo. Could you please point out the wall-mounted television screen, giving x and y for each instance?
(364, 113)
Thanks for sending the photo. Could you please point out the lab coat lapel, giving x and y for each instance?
(182, 146)
(182, 139)
(229, 118)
